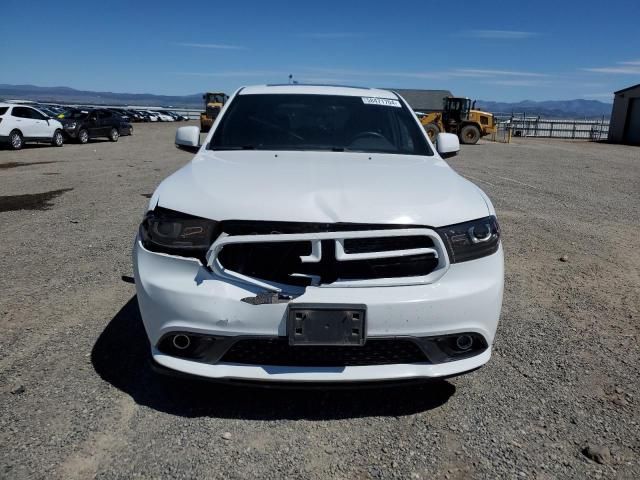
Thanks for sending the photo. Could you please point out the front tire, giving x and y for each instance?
(469, 135)
(83, 136)
(16, 142)
(57, 140)
(114, 135)
(432, 131)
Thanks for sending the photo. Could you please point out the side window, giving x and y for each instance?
(36, 115)
(20, 112)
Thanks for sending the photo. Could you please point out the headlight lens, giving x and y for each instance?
(168, 231)
(471, 240)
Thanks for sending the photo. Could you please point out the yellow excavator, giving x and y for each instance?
(459, 116)
(213, 103)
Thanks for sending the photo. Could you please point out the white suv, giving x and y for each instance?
(318, 236)
(22, 123)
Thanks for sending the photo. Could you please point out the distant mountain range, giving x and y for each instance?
(71, 95)
(551, 108)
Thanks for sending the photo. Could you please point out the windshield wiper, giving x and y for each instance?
(234, 147)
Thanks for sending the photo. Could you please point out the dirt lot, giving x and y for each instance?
(77, 398)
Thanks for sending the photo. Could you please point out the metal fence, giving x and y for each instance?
(521, 125)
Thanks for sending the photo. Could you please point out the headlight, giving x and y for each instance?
(167, 231)
(471, 240)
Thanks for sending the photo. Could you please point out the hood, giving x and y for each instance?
(482, 112)
(326, 187)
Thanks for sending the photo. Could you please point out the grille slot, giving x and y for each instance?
(386, 244)
(278, 352)
(274, 261)
(411, 266)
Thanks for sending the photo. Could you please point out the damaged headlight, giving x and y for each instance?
(471, 240)
(168, 231)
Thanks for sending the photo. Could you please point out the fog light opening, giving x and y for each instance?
(464, 342)
(181, 342)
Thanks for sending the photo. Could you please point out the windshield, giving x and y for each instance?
(76, 114)
(319, 122)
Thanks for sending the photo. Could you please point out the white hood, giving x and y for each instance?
(321, 187)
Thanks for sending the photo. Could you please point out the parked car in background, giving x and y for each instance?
(48, 111)
(52, 110)
(139, 116)
(123, 113)
(176, 117)
(164, 117)
(83, 125)
(134, 116)
(20, 124)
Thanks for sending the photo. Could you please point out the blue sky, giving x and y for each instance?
(505, 51)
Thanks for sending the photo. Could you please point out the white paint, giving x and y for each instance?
(177, 293)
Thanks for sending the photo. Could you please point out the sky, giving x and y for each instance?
(502, 51)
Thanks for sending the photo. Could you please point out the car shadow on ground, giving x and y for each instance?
(121, 357)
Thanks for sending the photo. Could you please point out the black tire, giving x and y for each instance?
(58, 139)
(114, 134)
(16, 141)
(469, 135)
(83, 136)
(432, 131)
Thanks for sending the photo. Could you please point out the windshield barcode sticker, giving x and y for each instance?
(386, 102)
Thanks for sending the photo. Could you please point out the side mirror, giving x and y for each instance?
(188, 138)
(447, 144)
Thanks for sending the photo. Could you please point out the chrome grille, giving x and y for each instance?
(340, 258)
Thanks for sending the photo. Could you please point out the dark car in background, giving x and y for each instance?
(82, 125)
(124, 114)
(134, 116)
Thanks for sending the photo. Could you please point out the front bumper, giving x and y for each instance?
(71, 133)
(179, 294)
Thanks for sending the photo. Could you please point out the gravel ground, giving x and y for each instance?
(77, 398)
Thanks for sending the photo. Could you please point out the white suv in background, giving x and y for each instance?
(318, 236)
(22, 123)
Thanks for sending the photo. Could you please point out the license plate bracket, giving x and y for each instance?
(321, 324)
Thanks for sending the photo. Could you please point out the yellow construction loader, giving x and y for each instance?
(213, 102)
(459, 116)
